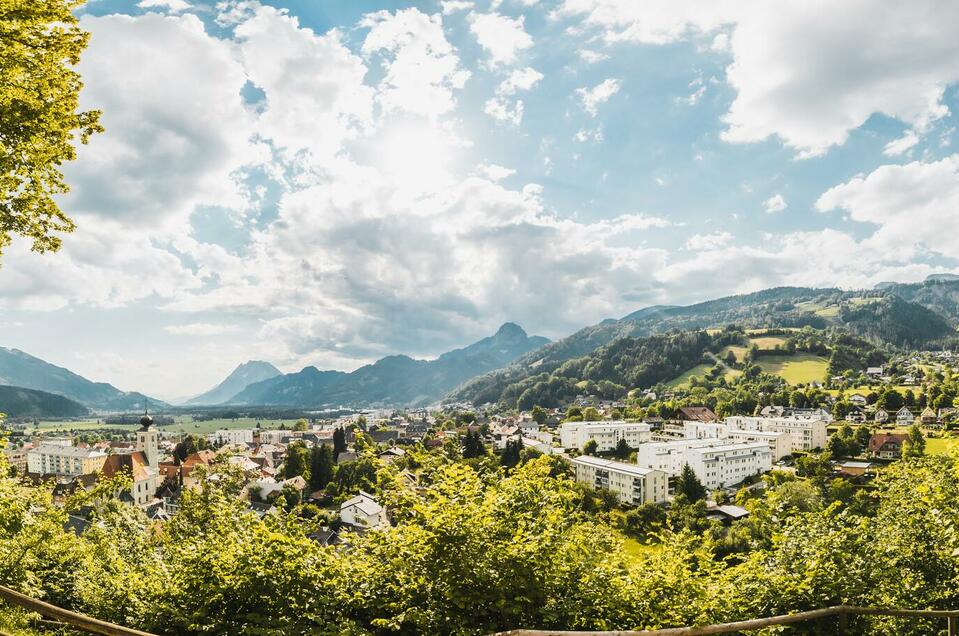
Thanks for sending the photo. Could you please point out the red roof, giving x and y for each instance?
(697, 414)
(878, 441)
(134, 463)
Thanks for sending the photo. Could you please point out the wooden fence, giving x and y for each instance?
(77, 621)
(840, 612)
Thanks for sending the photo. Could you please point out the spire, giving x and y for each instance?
(146, 421)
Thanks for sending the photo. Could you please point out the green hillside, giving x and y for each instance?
(19, 402)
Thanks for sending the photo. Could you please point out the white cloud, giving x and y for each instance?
(591, 57)
(314, 91)
(592, 98)
(494, 172)
(171, 5)
(902, 144)
(502, 37)
(200, 329)
(796, 80)
(421, 67)
(775, 203)
(585, 134)
(913, 207)
(450, 7)
(705, 242)
(501, 107)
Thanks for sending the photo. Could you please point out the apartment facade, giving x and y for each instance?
(806, 434)
(718, 463)
(632, 484)
(231, 436)
(606, 434)
(54, 459)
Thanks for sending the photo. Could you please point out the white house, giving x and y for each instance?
(905, 416)
(363, 511)
(806, 433)
(717, 463)
(606, 434)
(632, 484)
(858, 399)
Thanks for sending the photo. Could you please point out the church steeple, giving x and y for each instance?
(147, 441)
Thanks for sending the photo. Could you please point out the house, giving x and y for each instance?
(881, 416)
(874, 371)
(363, 511)
(929, 417)
(697, 414)
(390, 455)
(727, 514)
(856, 414)
(887, 445)
(905, 416)
(856, 469)
(858, 399)
(146, 479)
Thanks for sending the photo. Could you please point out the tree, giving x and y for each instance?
(40, 42)
(297, 460)
(321, 466)
(339, 442)
(511, 453)
(591, 414)
(473, 445)
(191, 444)
(689, 486)
(301, 425)
(622, 450)
(589, 448)
(915, 444)
(539, 415)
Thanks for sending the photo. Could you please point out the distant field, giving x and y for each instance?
(828, 312)
(768, 342)
(865, 390)
(699, 371)
(182, 425)
(941, 445)
(800, 368)
(739, 352)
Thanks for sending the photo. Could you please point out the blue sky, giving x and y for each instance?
(327, 182)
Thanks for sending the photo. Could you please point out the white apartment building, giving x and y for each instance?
(632, 484)
(805, 433)
(703, 430)
(54, 459)
(780, 442)
(718, 463)
(231, 436)
(606, 434)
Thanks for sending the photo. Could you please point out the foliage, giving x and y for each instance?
(689, 486)
(40, 42)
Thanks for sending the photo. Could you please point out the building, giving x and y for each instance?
(606, 434)
(887, 445)
(718, 463)
(703, 430)
(363, 511)
(696, 414)
(780, 442)
(806, 433)
(224, 436)
(142, 464)
(54, 459)
(17, 458)
(905, 416)
(881, 416)
(632, 484)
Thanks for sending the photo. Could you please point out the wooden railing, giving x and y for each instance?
(840, 612)
(77, 621)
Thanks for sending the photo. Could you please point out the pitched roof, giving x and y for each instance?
(879, 440)
(135, 463)
(697, 414)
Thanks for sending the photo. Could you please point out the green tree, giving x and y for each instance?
(689, 486)
(591, 414)
(539, 415)
(589, 448)
(511, 453)
(339, 442)
(301, 425)
(915, 444)
(40, 43)
(473, 445)
(297, 462)
(622, 449)
(322, 465)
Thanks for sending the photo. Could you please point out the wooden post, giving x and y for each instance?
(953, 624)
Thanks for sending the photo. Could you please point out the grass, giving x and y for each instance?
(768, 342)
(801, 368)
(184, 424)
(828, 312)
(739, 352)
(699, 371)
(941, 445)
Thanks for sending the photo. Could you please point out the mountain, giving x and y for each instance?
(23, 370)
(243, 376)
(394, 380)
(292, 389)
(901, 316)
(16, 401)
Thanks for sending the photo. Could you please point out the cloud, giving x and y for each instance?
(494, 173)
(775, 203)
(502, 37)
(592, 98)
(421, 68)
(913, 207)
(171, 5)
(501, 107)
(450, 7)
(902, 144)
(705, 242)
(591, 57)
(200, 329)
(795, 79)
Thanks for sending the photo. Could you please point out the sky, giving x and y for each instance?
(325, 182)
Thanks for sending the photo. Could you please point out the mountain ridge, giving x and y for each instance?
(242, 376)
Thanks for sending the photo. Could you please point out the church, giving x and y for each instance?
(142, 465)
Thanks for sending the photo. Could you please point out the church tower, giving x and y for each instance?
(147, 440)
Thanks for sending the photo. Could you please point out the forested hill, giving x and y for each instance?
(883, 317)
(16, 401)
